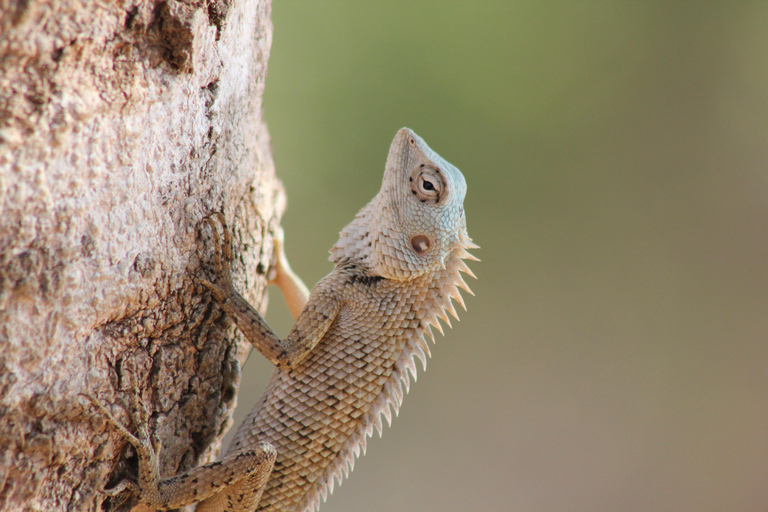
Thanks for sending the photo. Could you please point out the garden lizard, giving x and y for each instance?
(346, 359)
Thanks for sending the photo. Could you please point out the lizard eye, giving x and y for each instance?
(427, 187)
(427, 184)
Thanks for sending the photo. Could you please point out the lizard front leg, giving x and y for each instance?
(253, 466)
(236, 482)
(294, 290)
(313, 321)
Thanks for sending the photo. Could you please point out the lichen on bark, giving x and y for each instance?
(121, 126)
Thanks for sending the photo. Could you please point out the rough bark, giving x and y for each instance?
(121, 126)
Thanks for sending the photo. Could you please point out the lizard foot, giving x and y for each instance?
(222, 287)
(281, 275)
(279, 260)
(146, 447)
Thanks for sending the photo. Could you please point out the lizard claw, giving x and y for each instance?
(221, 287)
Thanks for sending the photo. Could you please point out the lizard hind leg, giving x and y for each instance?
(235, 483)
(244, 474)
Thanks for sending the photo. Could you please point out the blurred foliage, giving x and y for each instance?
(616, 354)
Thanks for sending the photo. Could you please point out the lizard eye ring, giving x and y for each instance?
(427, 184)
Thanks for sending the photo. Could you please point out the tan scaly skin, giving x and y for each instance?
(341, 367)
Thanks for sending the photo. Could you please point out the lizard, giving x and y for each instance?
(344, 363)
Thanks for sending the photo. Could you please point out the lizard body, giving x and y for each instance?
(343, 364)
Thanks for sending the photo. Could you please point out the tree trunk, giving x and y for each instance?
(121, 126)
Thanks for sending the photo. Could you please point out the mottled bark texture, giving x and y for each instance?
(122, 124)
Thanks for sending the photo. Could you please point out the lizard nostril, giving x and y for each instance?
(420, 243)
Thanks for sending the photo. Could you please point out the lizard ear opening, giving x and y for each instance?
(421, 244)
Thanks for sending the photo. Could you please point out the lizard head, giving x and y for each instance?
(415, 221)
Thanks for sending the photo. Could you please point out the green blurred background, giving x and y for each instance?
(615, 357)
